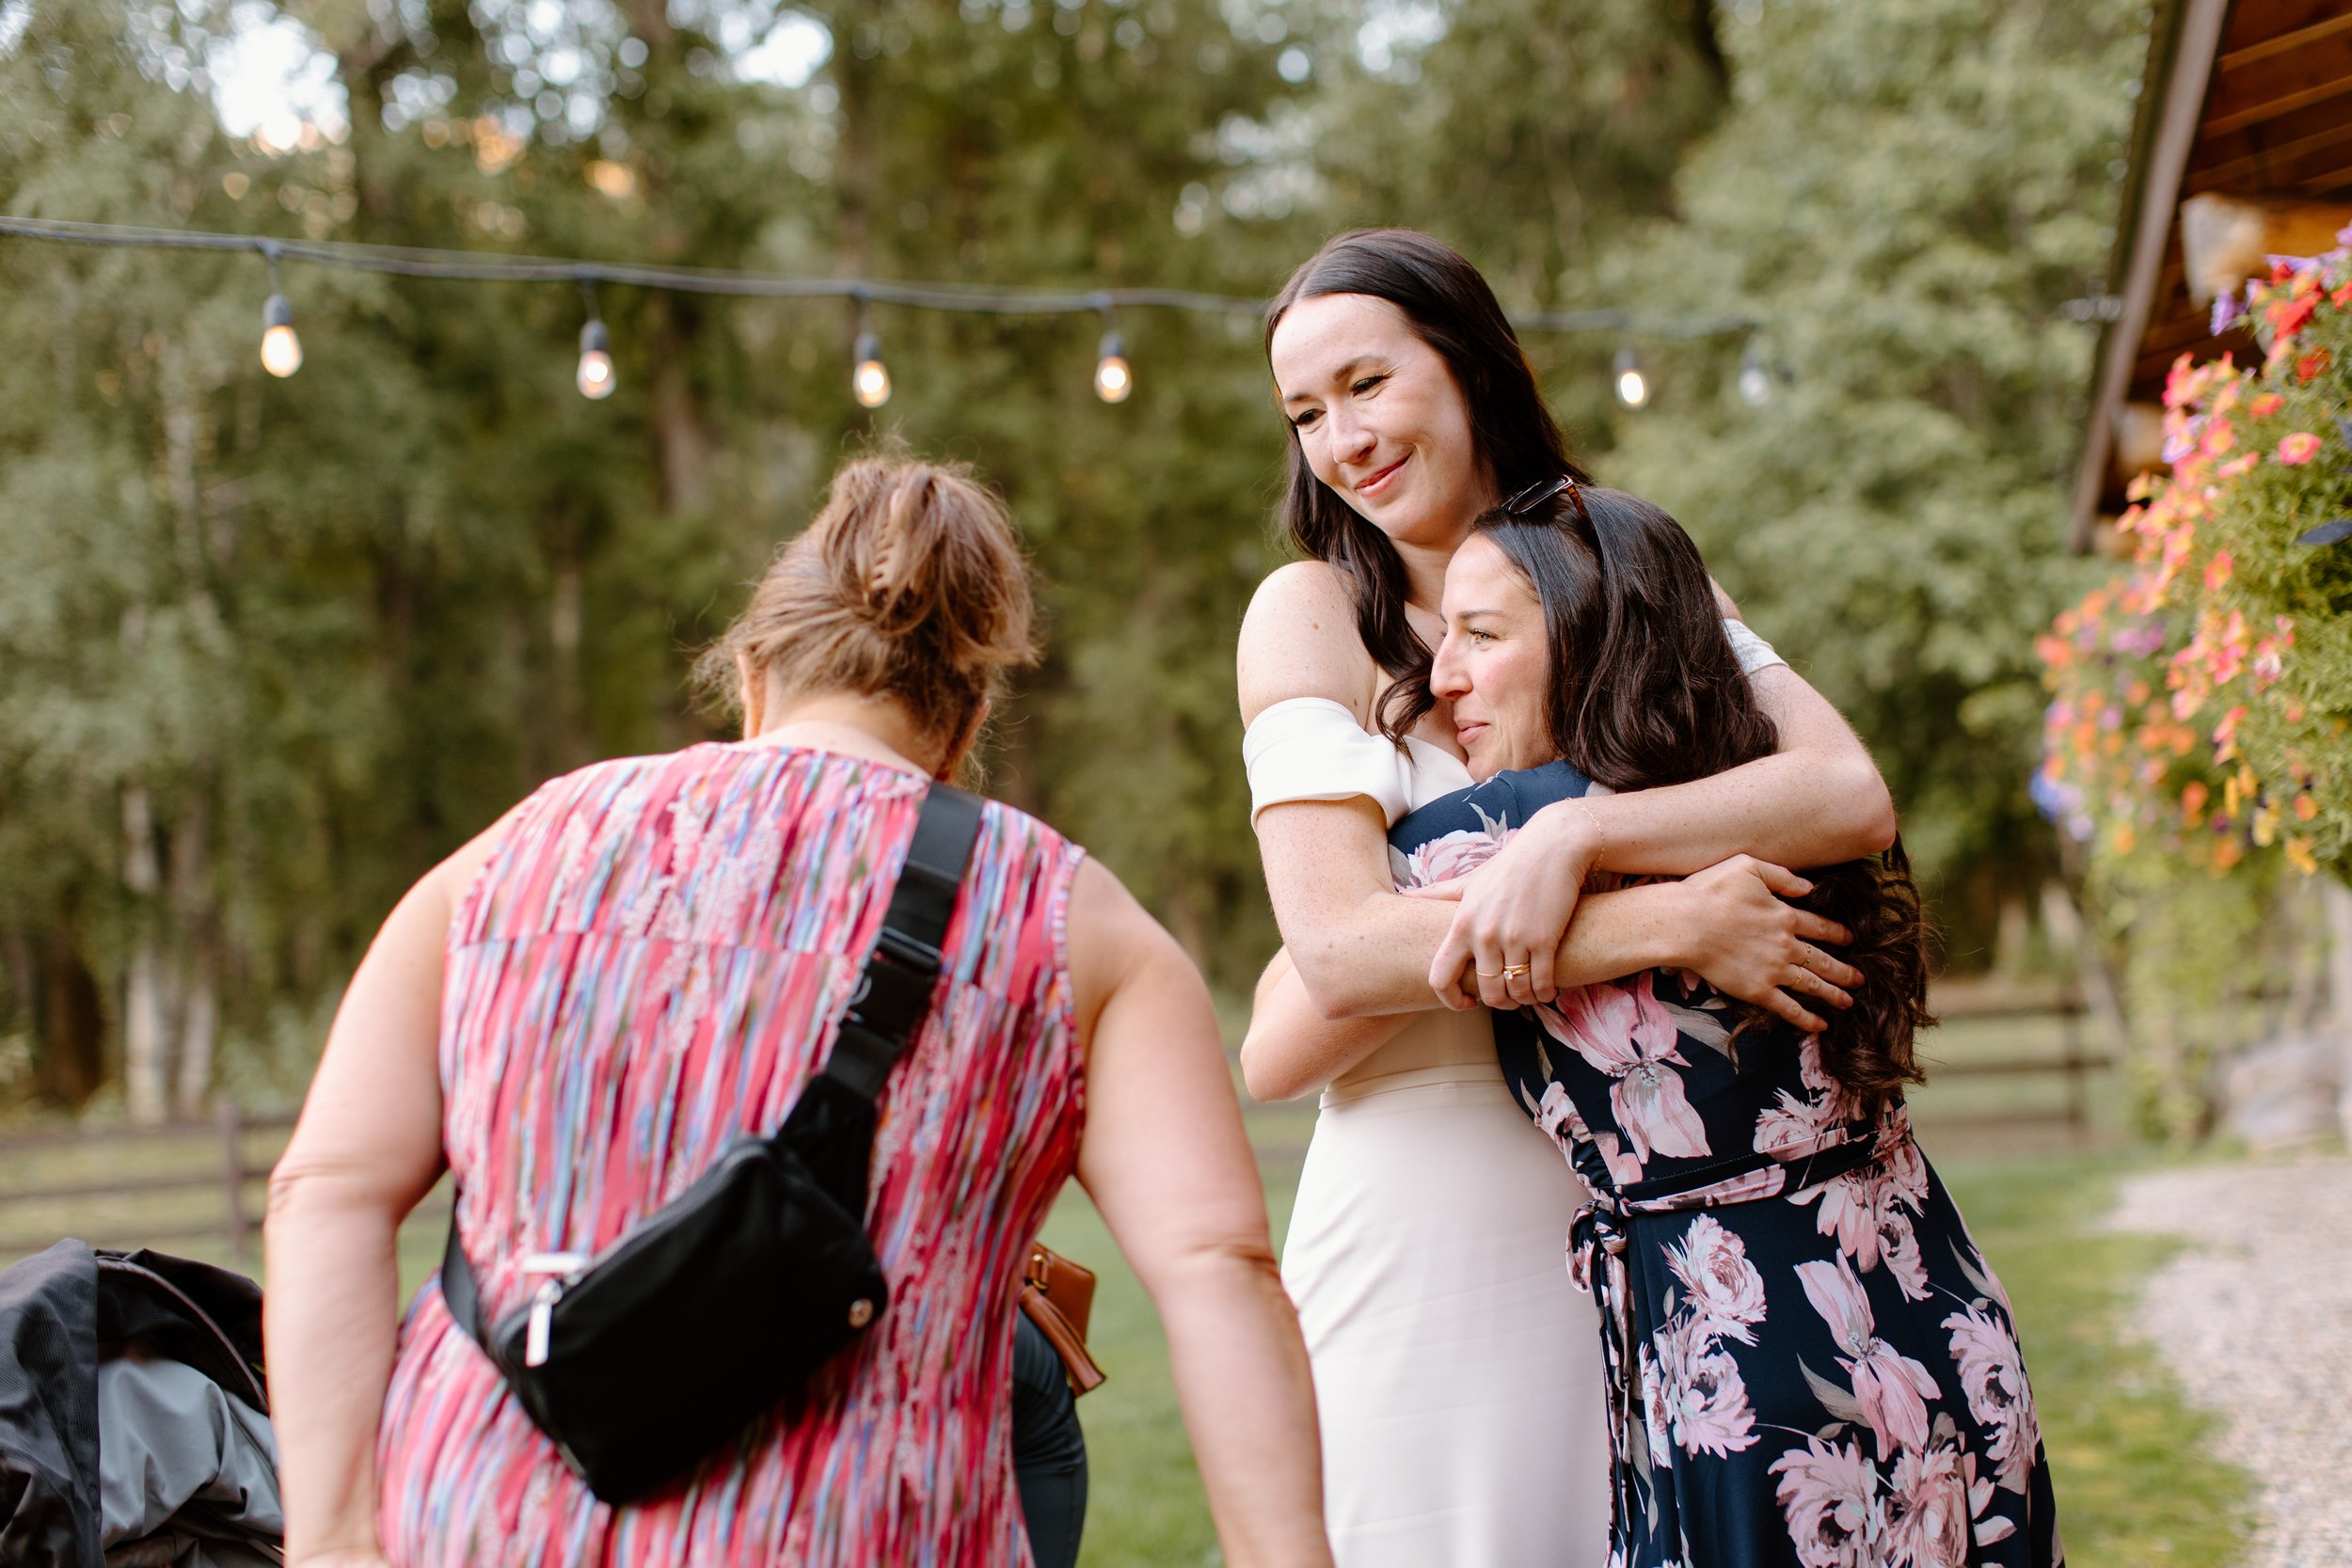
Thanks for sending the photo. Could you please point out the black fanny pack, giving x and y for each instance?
(641, 1360)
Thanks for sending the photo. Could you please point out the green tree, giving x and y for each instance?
(1905, 196)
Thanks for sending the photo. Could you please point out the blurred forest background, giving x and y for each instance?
(269, 648)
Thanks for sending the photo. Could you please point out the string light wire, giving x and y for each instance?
(475, 266)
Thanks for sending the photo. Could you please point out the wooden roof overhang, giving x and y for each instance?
(2242, 143)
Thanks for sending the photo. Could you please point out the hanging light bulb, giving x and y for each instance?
(1632, 386)
(869, 379)
(1755, 376)
(281, 351)
(1113, 379)
(595, 378)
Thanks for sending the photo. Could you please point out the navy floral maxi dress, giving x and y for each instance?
(1808, 1361)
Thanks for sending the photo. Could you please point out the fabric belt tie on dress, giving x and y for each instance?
(1597, 1238)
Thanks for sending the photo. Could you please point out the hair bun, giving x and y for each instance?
(909, 583)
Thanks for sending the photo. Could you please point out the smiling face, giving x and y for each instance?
(1380, 418)
(1495, 663)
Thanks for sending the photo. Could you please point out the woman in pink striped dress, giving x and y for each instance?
(647, 959)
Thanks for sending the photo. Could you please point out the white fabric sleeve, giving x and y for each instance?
(1312, 749)
(1753, 651)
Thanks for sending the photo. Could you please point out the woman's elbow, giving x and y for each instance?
(1332, 990)
(1266, 1076)
(299, 1194)
(1870, 809)
(1202, 1268)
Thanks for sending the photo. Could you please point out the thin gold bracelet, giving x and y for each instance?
(1593, 822)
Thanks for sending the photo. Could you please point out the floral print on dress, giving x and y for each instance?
(1808, 1360)
(1993, 1376)
(1890, 1389)
(1623, 1031)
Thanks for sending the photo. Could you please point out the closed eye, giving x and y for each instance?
(1369, 384)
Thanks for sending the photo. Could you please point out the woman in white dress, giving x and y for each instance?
(1457, 1378)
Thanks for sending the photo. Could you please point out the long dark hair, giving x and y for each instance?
(1645, 690)
(1450, 307)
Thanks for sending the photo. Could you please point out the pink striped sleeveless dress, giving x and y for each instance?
(652, 962)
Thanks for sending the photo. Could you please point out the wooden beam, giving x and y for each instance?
(2185, 74)
(2262, 169)
(2287, 42)
(2225, 238)
(2273, 102)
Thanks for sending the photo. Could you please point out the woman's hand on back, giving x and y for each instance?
(1747, 942)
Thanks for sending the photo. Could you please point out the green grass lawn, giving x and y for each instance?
(2132, 1487)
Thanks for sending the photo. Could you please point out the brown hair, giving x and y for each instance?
(1646, 691)
(1446, 302)
(909, 584)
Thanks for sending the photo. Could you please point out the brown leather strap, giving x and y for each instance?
(1076, 1364)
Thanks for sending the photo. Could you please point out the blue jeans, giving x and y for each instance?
(1049, 1452)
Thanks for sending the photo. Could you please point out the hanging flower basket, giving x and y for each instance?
(2203, 700)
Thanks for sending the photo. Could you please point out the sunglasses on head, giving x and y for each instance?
(1535, 495)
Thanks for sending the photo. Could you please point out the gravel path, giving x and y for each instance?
(2255, 1318)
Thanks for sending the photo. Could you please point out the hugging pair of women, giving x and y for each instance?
(1528, 803)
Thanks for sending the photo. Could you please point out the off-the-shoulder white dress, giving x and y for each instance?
(1458, 1371)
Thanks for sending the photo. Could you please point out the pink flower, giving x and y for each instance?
(1864, 1210)
(1850, 1212)
(1829, 1493)
(1993, 1377)
(2298, 449)
(1442, 860)
(1891, 1387)
(1694, 1393)
(1624, 1031)
(1793, 1126)
(1904, 1166)
(1899, 1249)
(1726, 1292)
(1931, 1507)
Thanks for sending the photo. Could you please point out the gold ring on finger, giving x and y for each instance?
(1510, 969)
(1491, 974)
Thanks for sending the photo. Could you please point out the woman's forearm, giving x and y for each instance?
(1816, 801)
(1292, 1048)
(1235, 1349)
(1790, 810)
(331, 1324)
(1382, 966)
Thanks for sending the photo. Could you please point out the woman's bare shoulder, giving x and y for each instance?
(1299, 640)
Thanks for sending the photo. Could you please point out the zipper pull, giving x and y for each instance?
(560, 1269)
(542, 1321)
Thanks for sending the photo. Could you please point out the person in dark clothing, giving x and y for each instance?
(1049, 1451)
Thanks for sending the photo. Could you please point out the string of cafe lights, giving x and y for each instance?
(597, 376)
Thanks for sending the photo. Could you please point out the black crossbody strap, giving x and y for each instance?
(895, 991)
(892, 996)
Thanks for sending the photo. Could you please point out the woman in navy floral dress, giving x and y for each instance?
(1808, 1360)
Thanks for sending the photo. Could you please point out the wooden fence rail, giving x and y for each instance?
(234, 1176)
(227, 1171)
